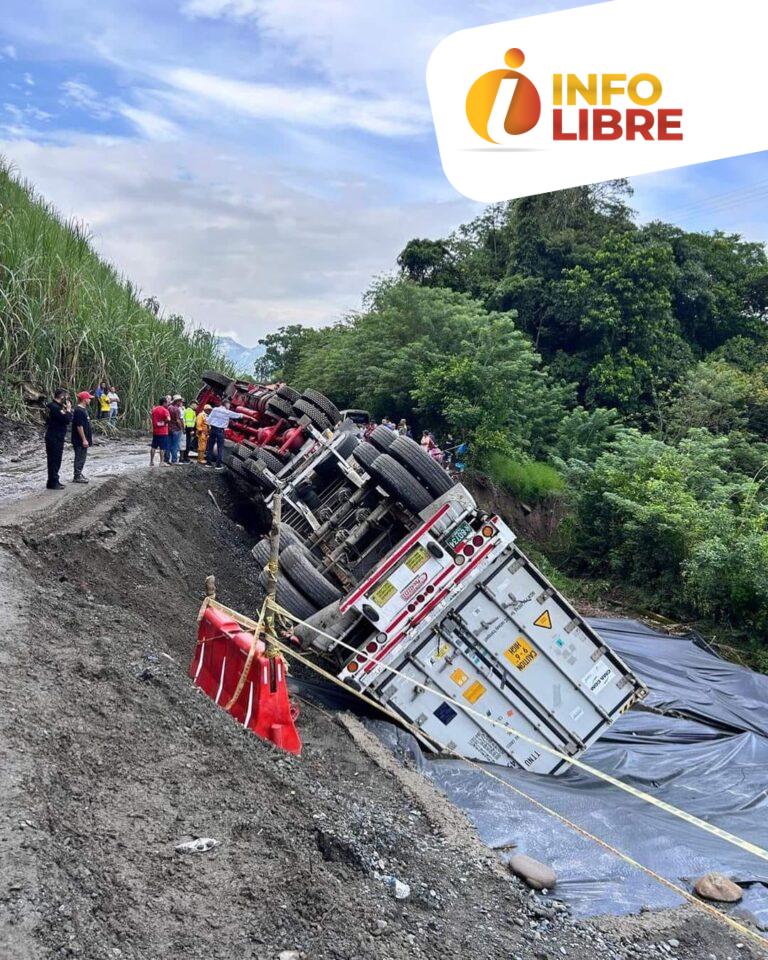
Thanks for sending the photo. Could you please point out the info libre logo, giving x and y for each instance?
(503, 104)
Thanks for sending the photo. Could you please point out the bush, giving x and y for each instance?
(678, 521)
(528, 480)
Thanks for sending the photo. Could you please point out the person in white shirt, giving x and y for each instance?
(114, 403)
(218, 421)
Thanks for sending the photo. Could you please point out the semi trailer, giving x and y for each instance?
(414, 595)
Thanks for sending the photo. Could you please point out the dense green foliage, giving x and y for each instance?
(67, 319)
(620, 367)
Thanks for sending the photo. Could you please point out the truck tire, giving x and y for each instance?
(431, 474)
(323, 404)
(307, 579)
(215, 380)
(255, 475)
(365, 454)
(289, 597)
(288, 538)
(303, 408)
(270, 461)
(244, 450)
(328, 465)
(261, 552)
(237, 466)
(287, 393)
(278, 408)
(382, 438)
(396, 480)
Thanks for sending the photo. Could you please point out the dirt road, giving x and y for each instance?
(110, 757)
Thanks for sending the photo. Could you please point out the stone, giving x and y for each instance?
(289, 955)
(539, 876)
(715, 886)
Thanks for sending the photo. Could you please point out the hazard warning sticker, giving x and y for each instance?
(543, 620)
(521, 653)
(474, 692)
(459, 677)
(384, 592)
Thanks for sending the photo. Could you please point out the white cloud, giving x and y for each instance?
(28, 79)
(78, 94)
(310, 106)
(8, 51)
(151, 125)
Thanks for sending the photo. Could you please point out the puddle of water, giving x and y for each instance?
(28, 473)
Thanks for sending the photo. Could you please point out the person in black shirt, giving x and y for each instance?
(81, 434)
(59, 418)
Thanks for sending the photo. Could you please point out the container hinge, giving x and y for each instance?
(571, 626)
(544, 595)
(515, 565)
(622, 682)
(421, 719)
(599, 651)
(449, 747)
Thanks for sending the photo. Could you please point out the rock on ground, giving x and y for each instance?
(539, 876)
(716, 886)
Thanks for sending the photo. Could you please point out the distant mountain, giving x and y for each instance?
(242, 357)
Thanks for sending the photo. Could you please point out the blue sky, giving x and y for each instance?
(258, 162)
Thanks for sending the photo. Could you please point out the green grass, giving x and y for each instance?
(68, 319)
(528, 480)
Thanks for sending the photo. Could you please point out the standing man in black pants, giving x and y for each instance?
(59, 418)
(81, 434)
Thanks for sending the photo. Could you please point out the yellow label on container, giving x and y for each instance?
(521, 654)
(442, 649)
(474, 692)
(416, 558)
(459, 677)
(382, 593)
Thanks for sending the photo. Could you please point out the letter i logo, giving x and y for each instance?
(503, 103)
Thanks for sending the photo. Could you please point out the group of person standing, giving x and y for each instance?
(178, 430)
(63, 417)
(108, 402)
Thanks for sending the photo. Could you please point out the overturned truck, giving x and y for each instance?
(421, 599)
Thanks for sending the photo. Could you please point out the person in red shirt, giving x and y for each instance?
(160, 420)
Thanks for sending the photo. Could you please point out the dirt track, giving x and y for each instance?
(111, 757)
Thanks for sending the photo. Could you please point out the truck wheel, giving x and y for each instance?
(322, 403)
(431, 474)
(382, 438)
(396, 480)
(287, 393)
(302, 408)
(289, 597)
(269, 460)
(244, 450)
(307, 579)
(256, 476)
(365, 454)
(279, 408)
(236, 466)
(261, 552)
(215, 380)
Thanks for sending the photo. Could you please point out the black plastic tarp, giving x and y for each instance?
(708, 755)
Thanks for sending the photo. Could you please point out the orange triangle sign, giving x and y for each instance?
(543, 621)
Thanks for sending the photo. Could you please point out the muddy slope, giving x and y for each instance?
(111, 757)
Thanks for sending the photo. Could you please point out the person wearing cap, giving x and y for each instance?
(59, 418)
(81, 434)
(218, 421)
(189, 429)
(201, 428)
(175, 429)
